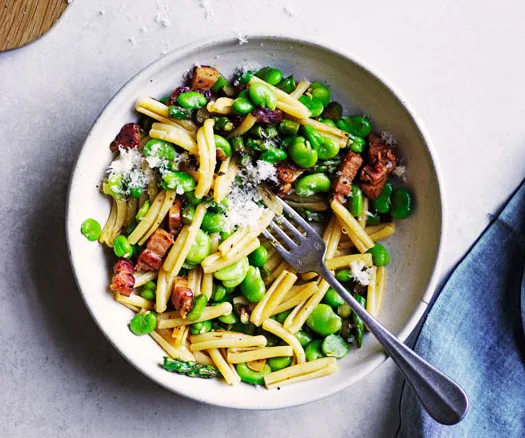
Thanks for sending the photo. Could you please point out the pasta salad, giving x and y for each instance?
(193, 184)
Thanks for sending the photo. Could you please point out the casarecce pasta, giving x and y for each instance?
(193, 186)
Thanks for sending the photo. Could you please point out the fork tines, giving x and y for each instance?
(285, 243)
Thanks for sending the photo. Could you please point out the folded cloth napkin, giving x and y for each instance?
(474, 333)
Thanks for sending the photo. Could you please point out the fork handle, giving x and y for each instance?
(444, 399)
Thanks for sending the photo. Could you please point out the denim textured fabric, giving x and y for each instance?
(475, 334)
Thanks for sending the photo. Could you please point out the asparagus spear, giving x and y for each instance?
(192, 369)
(359, 326)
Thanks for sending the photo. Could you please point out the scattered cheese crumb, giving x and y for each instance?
(243, 39)
(360, 273)
(263, 171)
(163, 19)
(388, 138)
(128, 159)
(144, 29)
(208, 11)
(243, 207)
(100, 12)
(288, 10)
(132, 41)
(129, 166)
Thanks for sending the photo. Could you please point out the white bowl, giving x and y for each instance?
(415, 248)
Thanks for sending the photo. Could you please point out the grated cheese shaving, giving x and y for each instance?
(129, 167)
(244, 201)
(127, 161)
(288, 10)
(243, 39)
(360, 273)
(208, 11)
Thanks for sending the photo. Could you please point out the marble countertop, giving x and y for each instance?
(459, 64)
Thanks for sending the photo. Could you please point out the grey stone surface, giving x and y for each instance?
(459, 64)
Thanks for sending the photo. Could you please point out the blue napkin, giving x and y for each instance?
(474, 333)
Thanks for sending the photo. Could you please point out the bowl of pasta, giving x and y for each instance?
(177, 182)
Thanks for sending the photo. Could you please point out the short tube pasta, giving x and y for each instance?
(195, 182)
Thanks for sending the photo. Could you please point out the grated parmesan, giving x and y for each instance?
(288, 10)
(242, 39)
(263, 171)
(208, 11)
(127, 161)
(243, 201)
(129, 167)
(360, 273)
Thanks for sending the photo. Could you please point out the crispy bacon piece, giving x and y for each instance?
(287, 173)
(123, 280)
(175, 218)
(381, 163)
(204, 77)
(150, 259)
(342, 185)
(127, 138)
(182, 296)
(379, 152)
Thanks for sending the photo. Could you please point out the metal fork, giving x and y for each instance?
(443, 398)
